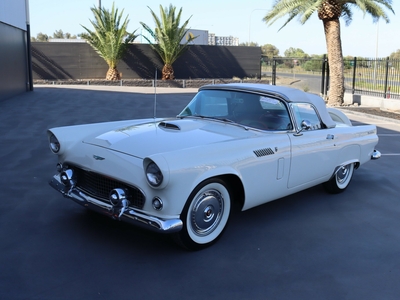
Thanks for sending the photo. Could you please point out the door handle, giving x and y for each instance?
(330, 137)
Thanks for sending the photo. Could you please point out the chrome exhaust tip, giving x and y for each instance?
(376, 154)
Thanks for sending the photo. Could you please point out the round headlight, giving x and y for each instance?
(54, 143)
(154, 175)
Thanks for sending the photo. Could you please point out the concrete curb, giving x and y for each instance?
(370, 101)
(349, 112)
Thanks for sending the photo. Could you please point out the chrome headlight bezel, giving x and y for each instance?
(54, 143)
(154, 176)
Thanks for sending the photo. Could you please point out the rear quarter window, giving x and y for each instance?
(305, 111)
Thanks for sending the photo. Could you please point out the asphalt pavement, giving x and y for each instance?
(310, 245)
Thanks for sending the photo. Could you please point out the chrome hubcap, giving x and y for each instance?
(342, 174)
(206, 212)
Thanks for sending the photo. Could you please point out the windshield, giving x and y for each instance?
(248, 109)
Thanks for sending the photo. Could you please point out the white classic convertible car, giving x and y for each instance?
(242, 144)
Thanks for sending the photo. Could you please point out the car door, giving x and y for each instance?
(313, 150)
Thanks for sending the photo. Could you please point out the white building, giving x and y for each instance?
(15, 70)
(222, 40)
(202, 38)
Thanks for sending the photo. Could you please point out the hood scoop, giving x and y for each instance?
(167, 125)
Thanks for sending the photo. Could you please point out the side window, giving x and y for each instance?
(260, 112)
(305, 111)
(275, 114)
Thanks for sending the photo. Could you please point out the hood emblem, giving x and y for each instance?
(98, 157)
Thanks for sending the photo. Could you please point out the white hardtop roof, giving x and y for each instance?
(290, 95)
(286, 93)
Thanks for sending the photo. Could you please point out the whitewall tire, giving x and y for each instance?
(341, 180)
(205, 214)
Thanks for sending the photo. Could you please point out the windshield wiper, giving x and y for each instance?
(211, 118)
(217, 118)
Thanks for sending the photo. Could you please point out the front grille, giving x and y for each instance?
(99, 187)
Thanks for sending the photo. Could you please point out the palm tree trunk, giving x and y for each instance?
(113, 74)
(335, 59)
(168, 72)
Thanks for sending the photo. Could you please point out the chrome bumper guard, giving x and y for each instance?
(128, 215)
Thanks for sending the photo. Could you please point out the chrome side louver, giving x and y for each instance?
(167, 125)
(263, 152)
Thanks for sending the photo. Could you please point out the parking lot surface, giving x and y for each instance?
(310, 245)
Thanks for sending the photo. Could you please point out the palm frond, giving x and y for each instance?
(110, 37)
(168, 34)
(304, 9)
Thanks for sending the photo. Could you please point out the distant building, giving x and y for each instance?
(211, 39)
(67, 40)
(222, 40)
(202, 38)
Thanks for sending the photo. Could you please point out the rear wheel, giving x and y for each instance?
(205, 214)
(340, 181)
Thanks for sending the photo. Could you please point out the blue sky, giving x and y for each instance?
(242, 19)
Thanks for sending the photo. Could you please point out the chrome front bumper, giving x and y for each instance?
(127, 215)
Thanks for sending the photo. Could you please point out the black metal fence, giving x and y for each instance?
(74, 61)
(375, 77)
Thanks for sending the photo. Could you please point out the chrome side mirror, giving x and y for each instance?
(305, 125)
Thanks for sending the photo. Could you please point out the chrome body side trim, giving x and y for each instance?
(127, 214)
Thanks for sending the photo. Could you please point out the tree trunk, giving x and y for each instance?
(168, 72)
(113, 74)
(335, 59)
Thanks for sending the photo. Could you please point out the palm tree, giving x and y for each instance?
(110, 38)
(330, 11)
(168, 35)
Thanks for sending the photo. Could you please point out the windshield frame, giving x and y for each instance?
(232, 106)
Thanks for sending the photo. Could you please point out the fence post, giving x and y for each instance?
(323, 75)
(328, 81)
(353, 85)
(386, 78)
(273, 71)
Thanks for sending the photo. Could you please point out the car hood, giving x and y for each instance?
(168, 135)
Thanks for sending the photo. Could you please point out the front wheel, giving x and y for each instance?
(340, 181)
(205, 214)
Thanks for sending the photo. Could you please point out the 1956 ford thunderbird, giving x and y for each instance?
(242, 144)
